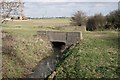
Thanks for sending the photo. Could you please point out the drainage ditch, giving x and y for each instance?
(48, 65)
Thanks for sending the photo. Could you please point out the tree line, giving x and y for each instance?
(97, 21)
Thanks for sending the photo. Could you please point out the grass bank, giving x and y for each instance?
(95, 57)
(21, 52)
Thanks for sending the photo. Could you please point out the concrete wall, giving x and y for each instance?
(73, 28)
(57, 36)
(68, 38)
(72, 37)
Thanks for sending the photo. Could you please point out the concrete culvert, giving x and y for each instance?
(58, 45)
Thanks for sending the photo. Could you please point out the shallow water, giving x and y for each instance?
(47, 66)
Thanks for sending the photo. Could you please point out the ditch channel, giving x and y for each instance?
(48, 65)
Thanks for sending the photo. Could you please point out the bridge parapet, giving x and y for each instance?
(73, 37)
(57, 36)
(68, 38)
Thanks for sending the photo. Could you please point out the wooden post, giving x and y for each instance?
(81, 37)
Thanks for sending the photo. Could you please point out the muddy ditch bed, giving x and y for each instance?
(48, 65)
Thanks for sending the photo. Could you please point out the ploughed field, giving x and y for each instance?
(95, 56)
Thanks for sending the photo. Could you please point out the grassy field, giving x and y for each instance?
(95, 57)
(22, 48)
(37, 24)
(30, 27)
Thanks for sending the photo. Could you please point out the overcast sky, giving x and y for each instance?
(67, 9)
(66, 0)
(71, 0)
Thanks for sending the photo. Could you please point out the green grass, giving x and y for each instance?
(37, 23)
(30, 27)
(95, 57)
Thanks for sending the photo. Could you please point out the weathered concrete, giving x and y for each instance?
(68, 38)
(57, 36)
(72, 38)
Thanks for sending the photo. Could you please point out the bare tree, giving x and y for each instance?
(8, 8)
(78, 19)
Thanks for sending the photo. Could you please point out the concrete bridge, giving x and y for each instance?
(60, 39)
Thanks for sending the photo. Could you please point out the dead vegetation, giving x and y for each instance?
(21, 55)
(7, 43)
